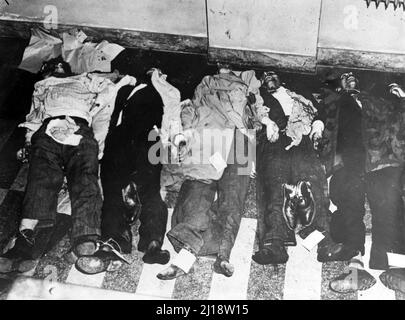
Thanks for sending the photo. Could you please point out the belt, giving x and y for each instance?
(78, 120)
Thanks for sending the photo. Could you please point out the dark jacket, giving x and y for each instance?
(366, 138)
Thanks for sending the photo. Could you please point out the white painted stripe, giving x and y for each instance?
(235, 287)
(78, 278)
(378, 291)
(33, 289)
(303, 275)
(149, 284)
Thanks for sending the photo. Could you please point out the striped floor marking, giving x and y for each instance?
(149, 284)
(235, 287)
(34, 289)
(378, 291)
(78, 278)
(303, 276)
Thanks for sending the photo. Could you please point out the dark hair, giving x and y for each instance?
(48, 67)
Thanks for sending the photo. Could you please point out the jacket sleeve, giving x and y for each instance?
(36, 116)
(103, 109)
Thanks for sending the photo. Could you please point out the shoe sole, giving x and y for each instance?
(369, 285)
(217, 268)
(87, 265)
(8, 266)
(387, 281)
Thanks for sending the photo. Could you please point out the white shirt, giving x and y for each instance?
(285, 100)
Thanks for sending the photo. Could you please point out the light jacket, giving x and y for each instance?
(87, 96)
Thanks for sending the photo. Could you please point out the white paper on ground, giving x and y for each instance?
(312, 240)
(218, 162)
(396, 260)
(184, 260)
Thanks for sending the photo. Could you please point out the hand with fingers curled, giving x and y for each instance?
(272, 129)
(181, 144)
(24, 153)
(316, 132)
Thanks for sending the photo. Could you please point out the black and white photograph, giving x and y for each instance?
(202, 156)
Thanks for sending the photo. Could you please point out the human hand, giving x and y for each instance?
(272, 130)
(129, 80)
(316, 132)
(397, 90)
(24, 153)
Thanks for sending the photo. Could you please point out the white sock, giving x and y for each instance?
(29, 224)
(357, 262)
(184, 260)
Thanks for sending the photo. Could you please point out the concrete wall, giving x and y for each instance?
(349, 24)
(285, 34)
(185, 17)
(353, 35)
(282, 26)
(278, 33)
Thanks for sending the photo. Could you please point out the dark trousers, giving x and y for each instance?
(126, 160)
(276, 166)
(347, 192)
(206, 227)
(49, 163)
(383, 188)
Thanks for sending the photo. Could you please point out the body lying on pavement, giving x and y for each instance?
(66, 129)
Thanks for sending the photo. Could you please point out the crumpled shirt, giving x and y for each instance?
(87, 96)
(219, 106)
(383, 131)
(88, 56)
(301, 118)
(63, 131)
(171, 119)
(42, 47)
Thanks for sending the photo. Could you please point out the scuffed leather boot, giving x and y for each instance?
(289, 214)
(304, 204)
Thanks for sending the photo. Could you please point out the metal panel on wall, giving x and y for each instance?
(279, 33)
(353, 34)
(176, 25)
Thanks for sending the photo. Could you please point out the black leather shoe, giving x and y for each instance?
(222, 266)
(273, 253)
(170, 273)
(133, 203)
(336, 252)
(155, 254)
(305, 204)
(29, 247)
(108, 258)
(355, 280)
(289, 213)
(394, 279)
(83, 246)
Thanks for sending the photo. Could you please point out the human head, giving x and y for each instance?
(271, 81)
(224, 67)
(56, 67)
(349, 83)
